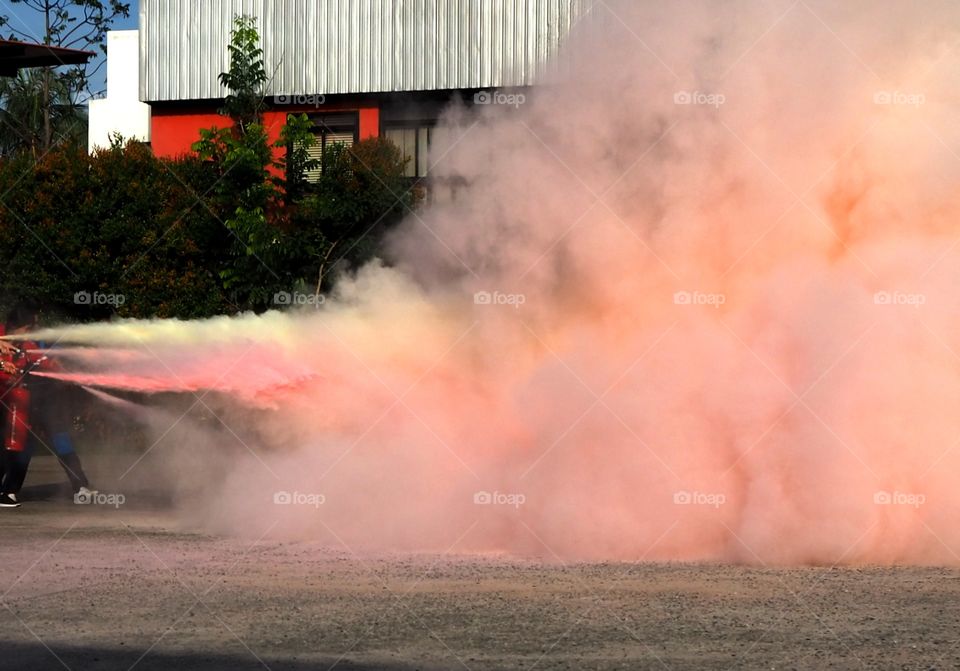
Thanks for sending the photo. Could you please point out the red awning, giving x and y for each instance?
(16, 55)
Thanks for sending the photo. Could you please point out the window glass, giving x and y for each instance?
(413, 141)
(330, 129)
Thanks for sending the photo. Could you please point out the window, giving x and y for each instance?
(413, 141)
(330, 129)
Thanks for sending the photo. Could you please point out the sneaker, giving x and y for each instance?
(9, 501)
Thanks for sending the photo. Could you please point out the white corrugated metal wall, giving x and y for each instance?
(352, 46)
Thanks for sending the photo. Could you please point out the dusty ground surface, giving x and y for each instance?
(87, 587)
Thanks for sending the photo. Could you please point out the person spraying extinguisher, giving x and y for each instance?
(15, 364)
(17, 402)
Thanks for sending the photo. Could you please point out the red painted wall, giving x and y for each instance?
(273, 122)
(369, 122)
(174, 129)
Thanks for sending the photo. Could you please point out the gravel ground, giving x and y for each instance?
(88, 587)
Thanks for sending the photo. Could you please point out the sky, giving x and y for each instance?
(28, 21)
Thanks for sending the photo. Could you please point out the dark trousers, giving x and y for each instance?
(51, 406)
(14, 466)
(13, 470)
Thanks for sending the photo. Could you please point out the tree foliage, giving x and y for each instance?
(217, 232)
(119, 223)
(22, 119)
(246, 76)
(72, 24)
(287, 229)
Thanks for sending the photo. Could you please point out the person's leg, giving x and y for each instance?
(17, 465)
(69, 461)
(52, 407)
(15, 446)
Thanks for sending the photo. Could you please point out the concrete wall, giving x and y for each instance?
(121, 111)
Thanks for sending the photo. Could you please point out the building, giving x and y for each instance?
(357, 68)
(121, 113)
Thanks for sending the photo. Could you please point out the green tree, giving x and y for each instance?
(121, 223)
(245, 194)
(73, 24)
(288, 231)
(361, 193)
(246, 76)
(24, 115)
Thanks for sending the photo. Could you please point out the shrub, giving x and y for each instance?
(120, 222)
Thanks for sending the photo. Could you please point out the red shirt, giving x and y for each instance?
(21, 361)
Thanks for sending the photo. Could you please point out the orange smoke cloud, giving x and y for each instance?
(698, 301)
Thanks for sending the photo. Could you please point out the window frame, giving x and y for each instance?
(321, 130)
(416, 124)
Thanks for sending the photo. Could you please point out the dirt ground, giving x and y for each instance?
(95, 587)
